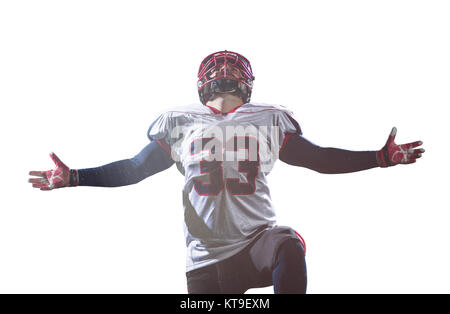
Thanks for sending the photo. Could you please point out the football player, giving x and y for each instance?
(225, 146)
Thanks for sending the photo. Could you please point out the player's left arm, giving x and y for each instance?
(298, 151)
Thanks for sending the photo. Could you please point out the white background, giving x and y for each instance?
(86, 78)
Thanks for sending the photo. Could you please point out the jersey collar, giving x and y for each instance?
(216, 111)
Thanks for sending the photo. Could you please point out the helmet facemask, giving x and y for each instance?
(225, 72)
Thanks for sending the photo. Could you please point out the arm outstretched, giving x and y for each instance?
(151, 160)
(298, 151)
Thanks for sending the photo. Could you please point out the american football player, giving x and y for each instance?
(225, 146)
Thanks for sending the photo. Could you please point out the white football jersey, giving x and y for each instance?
(225, 159)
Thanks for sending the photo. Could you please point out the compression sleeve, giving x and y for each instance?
(152, 159)
(298, 151)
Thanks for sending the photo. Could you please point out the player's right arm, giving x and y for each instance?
(151, 160)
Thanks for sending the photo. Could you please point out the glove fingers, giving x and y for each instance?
(393, 131)
(413, 144)
(415, 155)
(416, 152)
(411, 157)
(41, 186)
(420, 150)
(392, 135)
(56, 160)
(38, 180)
(37, 173)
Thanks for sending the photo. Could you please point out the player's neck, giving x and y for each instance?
(225, 102)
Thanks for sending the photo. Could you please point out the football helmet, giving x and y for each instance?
(225, 72)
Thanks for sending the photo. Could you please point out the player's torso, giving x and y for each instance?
(225, 159)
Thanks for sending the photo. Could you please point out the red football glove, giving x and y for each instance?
(392, 154)
(60, 177)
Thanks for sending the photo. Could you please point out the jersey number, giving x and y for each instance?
(216, 183)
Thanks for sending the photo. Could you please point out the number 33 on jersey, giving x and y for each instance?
(225, 159)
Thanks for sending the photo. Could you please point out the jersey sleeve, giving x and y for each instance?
(160, 131)
(288, 126)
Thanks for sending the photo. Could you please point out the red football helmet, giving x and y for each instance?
(225, 72)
